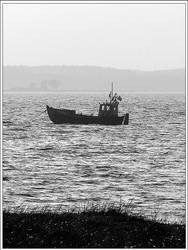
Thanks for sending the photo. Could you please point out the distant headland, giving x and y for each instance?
(90, 78)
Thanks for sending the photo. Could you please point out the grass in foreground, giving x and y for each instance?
(107, 228)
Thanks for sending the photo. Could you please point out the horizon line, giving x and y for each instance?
(90, 91)
(92, 66)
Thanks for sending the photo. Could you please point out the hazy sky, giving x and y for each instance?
(128, 36)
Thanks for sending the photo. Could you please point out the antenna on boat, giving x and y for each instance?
(112, 91)
(111, 95)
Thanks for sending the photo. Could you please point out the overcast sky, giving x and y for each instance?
(127, 36)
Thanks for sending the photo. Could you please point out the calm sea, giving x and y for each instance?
(144, 162)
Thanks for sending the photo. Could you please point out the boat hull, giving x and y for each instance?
(60, 116)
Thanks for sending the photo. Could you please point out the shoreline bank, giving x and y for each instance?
(88, 229)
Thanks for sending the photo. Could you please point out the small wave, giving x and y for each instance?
(96, 199)
(102, 168)
(70, 199)
(104, 175)
(90, 181)
(27, 195)
(27, 126)
(7, 122)
(19, 129)
(22, 137)
(30, 148)
(5, 178)
(46, 148)
(165, 153)
(109, 187)
(61, 132)
(177, 123)
(38, 188)
(180, 113)
(8, 166)
(85, 130)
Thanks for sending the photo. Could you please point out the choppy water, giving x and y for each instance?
(52, 164)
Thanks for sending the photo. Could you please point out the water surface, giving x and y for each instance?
(70, 165)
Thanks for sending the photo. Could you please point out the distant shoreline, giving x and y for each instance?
(91, 78)
(90, 66)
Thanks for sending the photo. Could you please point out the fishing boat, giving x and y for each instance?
(107, 114)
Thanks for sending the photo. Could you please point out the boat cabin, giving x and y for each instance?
(108, 109)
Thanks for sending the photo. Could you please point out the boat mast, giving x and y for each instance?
(112, 92)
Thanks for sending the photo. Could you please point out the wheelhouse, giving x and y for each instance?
(109, 109)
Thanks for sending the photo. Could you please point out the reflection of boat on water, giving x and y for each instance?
(107, 115)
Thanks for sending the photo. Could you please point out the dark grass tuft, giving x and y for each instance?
(95, 226)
